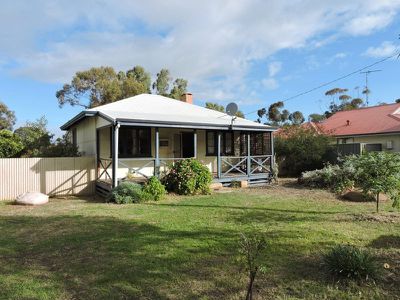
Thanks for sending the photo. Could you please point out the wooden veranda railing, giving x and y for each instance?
(104, 165)
(245, 165)
(159, 166)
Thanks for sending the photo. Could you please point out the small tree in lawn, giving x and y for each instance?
(251, 248)
(377, 173)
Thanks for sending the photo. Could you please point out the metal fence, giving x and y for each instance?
(52, 176)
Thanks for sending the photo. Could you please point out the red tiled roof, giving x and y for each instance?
(367, 120)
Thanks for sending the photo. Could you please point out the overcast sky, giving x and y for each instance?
(250, 52)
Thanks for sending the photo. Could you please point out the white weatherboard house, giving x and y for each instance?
(143, 135)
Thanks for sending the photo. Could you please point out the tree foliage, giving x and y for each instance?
(296, 118)
(300, 149)
(161, 85)
(377, 173)
(10, 144)
(339, 101)
(178, 89)
(277, 115)
(62, 147)
(252, 249)
(316, 117)
(35, 137)
(102, 85)
(218, 107)
(7, 117)
(37, 141)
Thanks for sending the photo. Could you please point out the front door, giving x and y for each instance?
(187, 144)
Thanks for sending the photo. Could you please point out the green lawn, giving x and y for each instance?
(186, 247)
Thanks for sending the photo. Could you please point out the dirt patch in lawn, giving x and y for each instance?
(375, 217)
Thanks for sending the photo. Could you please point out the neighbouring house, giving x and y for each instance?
(141, 136)
(375, 128)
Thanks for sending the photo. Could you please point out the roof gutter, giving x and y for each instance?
(188, 125)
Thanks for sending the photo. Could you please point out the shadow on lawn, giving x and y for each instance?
(386, 241)
(272, 210)
(109, 258)
(104, 258)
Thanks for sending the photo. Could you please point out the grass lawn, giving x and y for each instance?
(186, 247)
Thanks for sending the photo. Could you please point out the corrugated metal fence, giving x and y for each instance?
(51, 176)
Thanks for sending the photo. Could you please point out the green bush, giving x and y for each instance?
(347, 262)
(153, 190)
(125, 193)
(299, 149)
(188, 177)
(338, 178)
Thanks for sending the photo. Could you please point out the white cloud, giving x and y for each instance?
(274, 68)
(196, 40)
(270, 83)
(340, 55)
(383, 50)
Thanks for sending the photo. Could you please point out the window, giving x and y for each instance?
(227, 144)
(260, 143)
(134, 142)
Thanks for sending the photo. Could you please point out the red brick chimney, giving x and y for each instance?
(187, 97)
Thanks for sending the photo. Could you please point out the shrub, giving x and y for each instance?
(153, 190)
(188, 177)
(300, 149)
(347, 262)
(252, 249)
(10, 144)
(125, 193)
(335, 177)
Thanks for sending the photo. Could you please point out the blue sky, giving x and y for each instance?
(250, 52)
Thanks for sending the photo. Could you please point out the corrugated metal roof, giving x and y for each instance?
(369, 120)
(147, 108)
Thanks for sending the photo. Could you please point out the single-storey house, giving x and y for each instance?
(375, 128)
(141, 136)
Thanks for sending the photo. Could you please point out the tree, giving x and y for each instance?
(217, 107)
(300, 149)
(178, 89)
(7, 117)
(377, 173)
(103, 85)
(296, 118)
(252, 249)
(278, 116)
(62, 147)
(316, 117)
(161, 85)
(35, 138)
(346, 102)
(139, 74)
(10, 144)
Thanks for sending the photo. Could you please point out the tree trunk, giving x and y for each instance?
(249, 295)
(377, 202)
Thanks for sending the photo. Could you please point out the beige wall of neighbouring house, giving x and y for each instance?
(54, 176)
(376, 139)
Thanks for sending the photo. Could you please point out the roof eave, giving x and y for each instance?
(83, 115)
